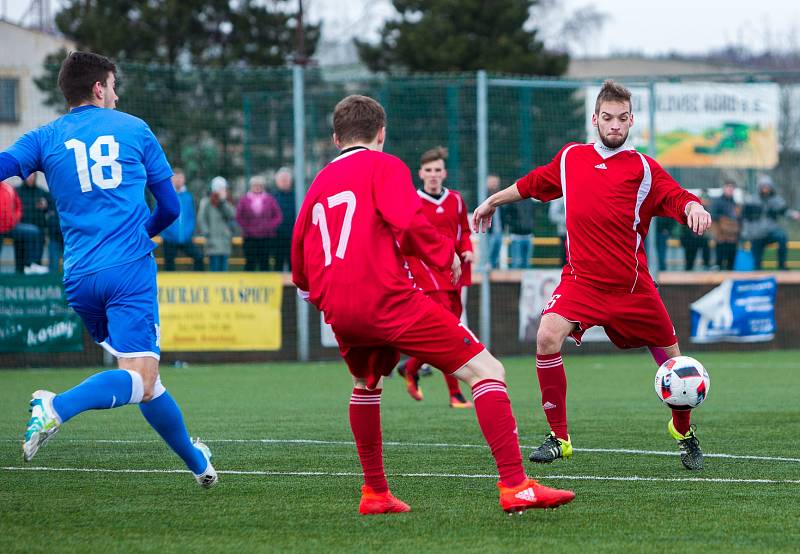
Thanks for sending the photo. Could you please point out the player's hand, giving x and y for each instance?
(482, 217)
(455, 267)
(468, 257)
(698, 219)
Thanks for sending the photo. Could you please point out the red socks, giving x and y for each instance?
(553, 383)
(658, 354)
(412, 366)
(452, 385)
(681, 419)
(365, 421)
(493, 409)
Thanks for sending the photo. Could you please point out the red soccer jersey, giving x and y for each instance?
(610, 196)
(360, 218)
(448, 214)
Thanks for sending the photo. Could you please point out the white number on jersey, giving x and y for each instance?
(319, 219)
(101, 160)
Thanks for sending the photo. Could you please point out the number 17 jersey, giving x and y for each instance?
(97, 162)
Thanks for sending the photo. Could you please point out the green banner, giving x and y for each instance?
(34, 316)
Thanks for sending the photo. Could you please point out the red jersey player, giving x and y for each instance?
(359, 219)
(446, 210)
(611, 193)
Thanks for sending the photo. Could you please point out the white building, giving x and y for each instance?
(22, 54)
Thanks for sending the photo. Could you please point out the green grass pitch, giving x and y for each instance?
(290, 476)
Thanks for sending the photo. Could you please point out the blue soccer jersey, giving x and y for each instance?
(97, 162)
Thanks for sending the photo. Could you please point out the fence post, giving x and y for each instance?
(652, 240)
(483, 170)
(299, 193)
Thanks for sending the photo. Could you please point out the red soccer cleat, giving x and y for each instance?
(380, 503)
(412, 386)
(530, 494)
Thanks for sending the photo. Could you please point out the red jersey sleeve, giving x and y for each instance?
(669, 198)
(400, 206)
(299, 277)
(544, 182)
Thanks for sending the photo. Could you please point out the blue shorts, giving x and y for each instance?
(119, 306)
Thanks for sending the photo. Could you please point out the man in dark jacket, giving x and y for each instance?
(519, 218)
(762, 215)
(725, 215)
(35, 204)
(282, 244)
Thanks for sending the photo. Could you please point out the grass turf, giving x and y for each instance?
(752, 410)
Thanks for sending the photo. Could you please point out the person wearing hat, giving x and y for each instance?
(762, 227)
(216, 221)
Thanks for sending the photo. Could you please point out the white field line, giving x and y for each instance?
(315, 442)
(417, 475)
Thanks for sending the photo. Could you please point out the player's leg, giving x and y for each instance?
(367, 365)
(452, 301)
(411, 376)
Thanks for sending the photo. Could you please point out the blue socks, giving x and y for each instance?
(164, 415)
(108, 389)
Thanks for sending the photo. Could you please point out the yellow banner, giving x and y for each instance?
(220, 311)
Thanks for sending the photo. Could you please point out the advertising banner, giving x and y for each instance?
(220, 311)
(536, 290)
(740, 310)
(34, 316)
(704, 124)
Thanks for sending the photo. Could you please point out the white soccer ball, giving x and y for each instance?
(682, 383)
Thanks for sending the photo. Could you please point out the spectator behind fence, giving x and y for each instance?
(693, 243)
(55, 239)
(725, 213)
(664, 227)
(496, 232)
(178, 236)
(216, 221)
(762, 226)
(519, 218)
(35, 203)
(27, 237)
(259, 216)
(284, 195)
(557, 214)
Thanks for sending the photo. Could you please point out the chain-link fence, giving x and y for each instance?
(238, 123)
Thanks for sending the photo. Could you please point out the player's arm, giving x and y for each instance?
(22, 158)
(299, 277)
(543, 183)
(9, 166)
(168, 207)
(672, 200)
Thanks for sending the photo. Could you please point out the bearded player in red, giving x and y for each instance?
(611, 192)
(359, 219)
(446, 210)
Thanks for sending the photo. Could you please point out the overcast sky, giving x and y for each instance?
(632, 26)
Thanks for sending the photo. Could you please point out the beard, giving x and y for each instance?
(613, 142)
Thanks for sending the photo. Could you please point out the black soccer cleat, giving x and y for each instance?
(551, 449)
(691, 454)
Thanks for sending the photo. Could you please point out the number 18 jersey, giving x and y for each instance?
(97, 162)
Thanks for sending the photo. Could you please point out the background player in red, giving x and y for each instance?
(359, 219)
(611, 192)
(445, 209)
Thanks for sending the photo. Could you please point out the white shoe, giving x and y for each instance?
(209, 477)
(36, 269)
(44, 423)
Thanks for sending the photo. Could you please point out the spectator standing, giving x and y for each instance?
(694, 243)
(27, 238)
(496, 232)
(557, 214)
(178, 236)
(664, 228)
(725, 213)
(519, 218)
(35, 204)
(284, 195)
(762, 215)
(216, 221)
(55, 239)
(259, 216)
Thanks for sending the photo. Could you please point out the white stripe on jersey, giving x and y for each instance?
(564, 194)
(641, 195)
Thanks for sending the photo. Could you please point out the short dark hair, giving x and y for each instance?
(612, 92)
(79, 72)
(358, 118)
(435, 153)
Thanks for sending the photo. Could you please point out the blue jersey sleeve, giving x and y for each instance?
(9, 166)
(155, 162)
(168, 207)
(27, 151)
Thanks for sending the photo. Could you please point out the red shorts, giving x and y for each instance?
(631, 320)
(437, 337)
(450, 299)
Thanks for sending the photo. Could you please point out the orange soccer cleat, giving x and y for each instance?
(380, 503)
(458, 401)
(530, 494)
(412, 386)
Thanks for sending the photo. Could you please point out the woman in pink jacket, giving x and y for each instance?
(259, 216)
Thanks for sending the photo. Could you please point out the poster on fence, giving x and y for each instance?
(203, 312)
(705, 124)
(34, 316)
(535, 292)
(738, 310)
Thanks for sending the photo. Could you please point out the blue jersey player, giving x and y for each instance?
(97, 162)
